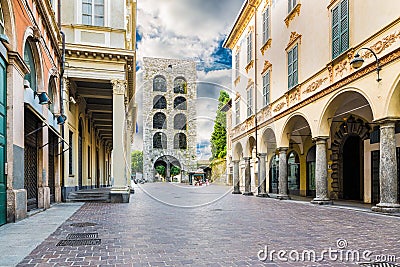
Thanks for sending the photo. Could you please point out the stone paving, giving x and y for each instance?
(159, 228)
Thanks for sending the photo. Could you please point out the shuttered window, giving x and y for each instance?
(291, 5)
(340, 28)
(292, 67)
(237, 65)
(249, 47)
(266, 25)
(266, 86)
(237, 112)
(249, 101)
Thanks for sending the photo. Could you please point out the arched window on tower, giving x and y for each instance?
(180, 103)
(159, 102)
(159, 121)
(180, 85)
(30, 62)
(160, 140)
(52, 89)
(180, 122)
(180, 141)
(159, 84)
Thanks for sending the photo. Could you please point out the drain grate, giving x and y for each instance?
(83, 224)
(79, 242)
(83, 236)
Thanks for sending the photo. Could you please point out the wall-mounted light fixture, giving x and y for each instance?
(358, 61)
(43, 97)
(61, 119)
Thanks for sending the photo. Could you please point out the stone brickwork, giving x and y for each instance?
(170, 69)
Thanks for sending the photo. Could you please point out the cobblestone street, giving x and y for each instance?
(160, 228)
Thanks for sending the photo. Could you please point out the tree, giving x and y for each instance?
(218, 136)
(137, 161)
(161, 170)
(175, 170)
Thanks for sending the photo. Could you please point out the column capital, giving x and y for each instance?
(282, 149)
(247, 158)
(387, 120)
(320, 139)
(235, 161)
(119, 87)
(263, 155)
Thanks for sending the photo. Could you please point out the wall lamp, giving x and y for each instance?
(61, 119)
(357, 61)
(43, 97)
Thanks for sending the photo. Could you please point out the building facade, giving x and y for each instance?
(99, 93)
(29, 108)
(169, 125)
(307, 119)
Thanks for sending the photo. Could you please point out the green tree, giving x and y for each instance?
(218, 136)
(137, 161)
(175, 170)
(161, 170)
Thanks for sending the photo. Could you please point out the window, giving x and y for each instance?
(70, 158)
(159, 102)
(340, 28)
(29, 61)
(237, 65)
(180, 141)
(180, 122)
(1, 20)
(159, 121)
(266, 25)
(249, 47)
(180, 103)
(93, 12)
(291, 5)
(160, 140)
(180, 86)
(250, 101)
(266, 86)
(292, 67)
(237, 112)
(159, 84)
(51, 92)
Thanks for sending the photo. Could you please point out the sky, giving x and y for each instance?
(189, 29)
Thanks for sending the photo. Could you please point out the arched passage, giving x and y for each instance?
(167, 167)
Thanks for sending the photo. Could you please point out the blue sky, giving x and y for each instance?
(190, 29)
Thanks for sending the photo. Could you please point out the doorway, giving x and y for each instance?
(80, 155)
(352, 174)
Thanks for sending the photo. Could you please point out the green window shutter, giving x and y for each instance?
(290, 69)
(266, 88)
(295, 54)
(266, 25)
(335, 32)
(344, 26)
(289, 6)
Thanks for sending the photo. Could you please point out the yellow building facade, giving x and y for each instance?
(99, 88)
(307, 119)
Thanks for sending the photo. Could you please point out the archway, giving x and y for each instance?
(310, 159)
(293, 173)
(274, 174)
(268, 146)
(170, 170)
(352, 168)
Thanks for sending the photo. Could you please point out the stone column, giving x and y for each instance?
(247, 178)
(388, 170)
(236, 178)
(321, 172)
(120, 190)
(262, 175)
(168, 172)
(283, 177)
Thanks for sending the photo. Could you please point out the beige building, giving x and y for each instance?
(307, 119)
(99, 88)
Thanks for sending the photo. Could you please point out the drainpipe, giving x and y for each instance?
(255, 91)
(61, 85)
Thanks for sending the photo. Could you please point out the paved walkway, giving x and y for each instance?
(18, 239)
(159, 228)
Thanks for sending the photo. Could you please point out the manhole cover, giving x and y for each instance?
(83, 224)
(79, 242)
(83, 236)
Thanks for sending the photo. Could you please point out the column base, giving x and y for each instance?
(16, 205)
(236, 192)
(322, 201)
(248, 194)
(283, 197)
(262, 195)
(120, 195)
(387, 208)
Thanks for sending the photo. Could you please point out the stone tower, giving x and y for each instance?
(169, 112)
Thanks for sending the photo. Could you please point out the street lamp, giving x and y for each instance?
(357, 61)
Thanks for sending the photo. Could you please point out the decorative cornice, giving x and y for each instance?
(279, 106)
(267, 65)
(237, 80)
(16, 60)
(119, 86)
(249, 66)
(294, 36)
(315, 85)
(381, 45)
(237, 96)
(266, 46)
(295, 11)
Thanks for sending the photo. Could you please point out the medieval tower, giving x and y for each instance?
(169, 126)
